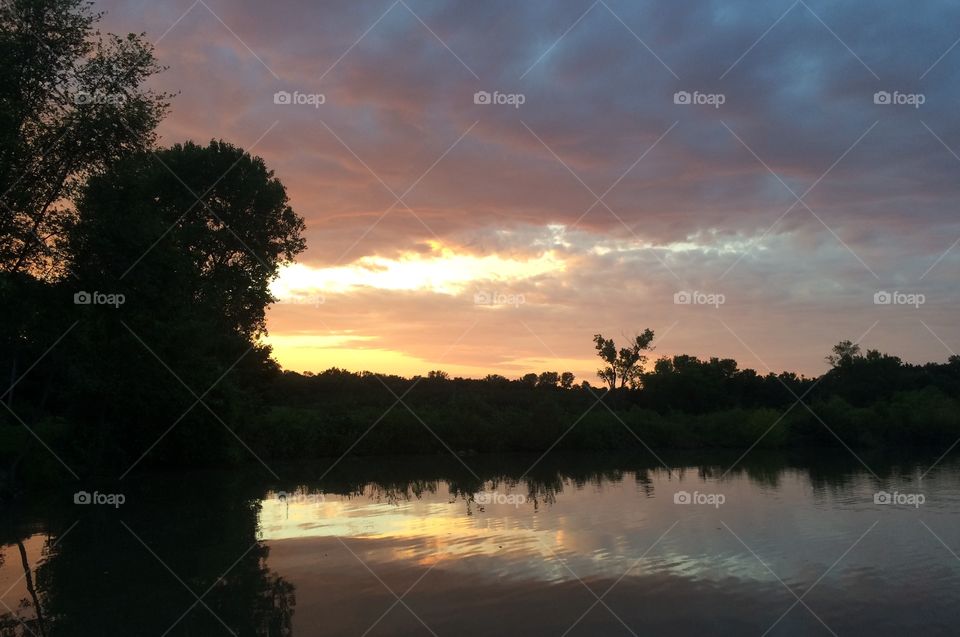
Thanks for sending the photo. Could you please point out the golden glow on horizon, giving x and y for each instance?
(441, 271)
(317, 352)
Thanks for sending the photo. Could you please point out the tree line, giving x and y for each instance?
(865, 400)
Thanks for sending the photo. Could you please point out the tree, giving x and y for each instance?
(437, 374)
(204, 228)
(566, 380)
(529, 380)
(607, 352)
(71, 103)
(548, 379)
(626, 365)
(843, 354)
(195, 276)
(688, 383)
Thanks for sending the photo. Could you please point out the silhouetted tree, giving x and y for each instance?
(192, 238)
(843, 353)
(548, 379)
(626, 365)
(207, 227)
(71, 103)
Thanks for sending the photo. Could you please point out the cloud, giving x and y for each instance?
(651, 196)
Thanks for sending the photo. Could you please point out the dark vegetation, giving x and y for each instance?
(866, 400)
(190, 236)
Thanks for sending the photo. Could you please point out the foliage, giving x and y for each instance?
(71, 103)
(684, 402)
(843, 354)
(624, 365)
(172, 370)
(201, 229)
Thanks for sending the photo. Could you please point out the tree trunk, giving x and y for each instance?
(33, 592)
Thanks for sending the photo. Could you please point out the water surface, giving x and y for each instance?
(594, 545)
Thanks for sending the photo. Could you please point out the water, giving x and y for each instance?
(593, 545)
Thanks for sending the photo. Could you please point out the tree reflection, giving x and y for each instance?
(398, 480)
(140, 569)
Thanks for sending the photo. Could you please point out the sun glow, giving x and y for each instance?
(441, 271)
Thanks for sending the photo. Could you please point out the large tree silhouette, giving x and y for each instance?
(192, 237)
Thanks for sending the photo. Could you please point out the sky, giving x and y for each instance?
(486, 185)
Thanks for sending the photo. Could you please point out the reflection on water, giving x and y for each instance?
(139, 569)
(581, 546)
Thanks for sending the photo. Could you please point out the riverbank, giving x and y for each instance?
(574, 424)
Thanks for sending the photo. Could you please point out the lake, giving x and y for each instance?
(817, 543)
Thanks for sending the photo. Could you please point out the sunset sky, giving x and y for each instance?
(499, 237)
